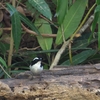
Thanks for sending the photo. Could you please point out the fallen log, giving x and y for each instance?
(61, 83)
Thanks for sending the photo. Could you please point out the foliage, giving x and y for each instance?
(97, 20)
(45, 43)
(3, 70)
(49, 24)
(71, 21)
(42, 7)
(16, 25)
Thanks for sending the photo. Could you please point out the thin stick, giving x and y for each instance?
(82, 23)
(11, 42)
(48, 21)
(86, 25)
(10, 51)
(32, 32)
(62, 31)
(5, 71)
(59, 53)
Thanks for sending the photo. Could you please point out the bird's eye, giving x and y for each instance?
(40, 58)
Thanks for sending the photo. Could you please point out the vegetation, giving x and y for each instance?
(52, 29)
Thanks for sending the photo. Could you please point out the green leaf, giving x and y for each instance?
(16, 25)
(99, 32)
(3, 63)
(42, 7)
(98, 2)
(16, 29)
(97, 19)
(80, 44)
(17, 71)
(11, 9)
(79, 58)
(32, 10)
(96, 16)
(29, 23)
(62, 8)
(45, 43)
(71, 20)
(70, 2)
(4, 47)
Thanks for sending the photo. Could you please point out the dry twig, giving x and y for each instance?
(59, 53)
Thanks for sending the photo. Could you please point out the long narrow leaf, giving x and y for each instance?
(97, 19)
(42, 7)
(71, 21)
(16, 29)
(29, 23)
(62, 8)
(98, 2)
(99, 32)
(11, 9)
(45, 43)
(16, 25)
(96, 16)
(77, 59)
(3, 62)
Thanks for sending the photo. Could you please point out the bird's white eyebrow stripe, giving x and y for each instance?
(35, 58)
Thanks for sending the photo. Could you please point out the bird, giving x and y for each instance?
(36, 66)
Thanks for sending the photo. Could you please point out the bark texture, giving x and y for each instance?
(61, 83)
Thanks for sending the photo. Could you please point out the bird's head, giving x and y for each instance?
(36, 60)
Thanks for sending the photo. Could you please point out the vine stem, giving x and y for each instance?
(84, 20)
(11, 43)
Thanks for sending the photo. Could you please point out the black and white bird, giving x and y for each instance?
(36, 66)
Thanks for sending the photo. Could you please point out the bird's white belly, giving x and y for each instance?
(36, 70)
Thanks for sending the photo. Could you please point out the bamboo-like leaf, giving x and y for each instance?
(62, 8)
(77, 59)
(16, 25)
(29, 23)
(11, 9)
(16, 29)
(44, 28)
(98, 2)
(71, 20)
(3, 62)
(97, 19)
(96, 16)
(42, 7)
(31, 9)
(99, 32)
(4, 47)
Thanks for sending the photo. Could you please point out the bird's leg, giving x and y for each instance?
(40, 76)
(32, 76)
